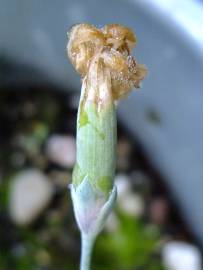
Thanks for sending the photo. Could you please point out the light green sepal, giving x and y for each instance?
(91, 209)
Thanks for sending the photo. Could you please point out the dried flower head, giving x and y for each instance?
(112, 44)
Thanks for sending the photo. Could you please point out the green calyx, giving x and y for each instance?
(96, 147)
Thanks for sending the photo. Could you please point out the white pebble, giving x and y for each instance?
(61, 150)
(30, 193)
(131, 203)
(178, 255)
(123, 184)
(112, 222)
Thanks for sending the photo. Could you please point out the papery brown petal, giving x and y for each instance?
(111, 45)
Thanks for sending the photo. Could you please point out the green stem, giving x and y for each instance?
(86, 253)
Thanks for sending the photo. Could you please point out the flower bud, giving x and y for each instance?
(102, 57)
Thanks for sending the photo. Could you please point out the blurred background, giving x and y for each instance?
(158, 220)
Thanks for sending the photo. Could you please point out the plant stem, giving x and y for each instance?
(87, 246)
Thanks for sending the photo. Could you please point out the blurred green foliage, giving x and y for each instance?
(130, 246)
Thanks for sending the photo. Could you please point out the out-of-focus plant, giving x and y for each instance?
(131, 243)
